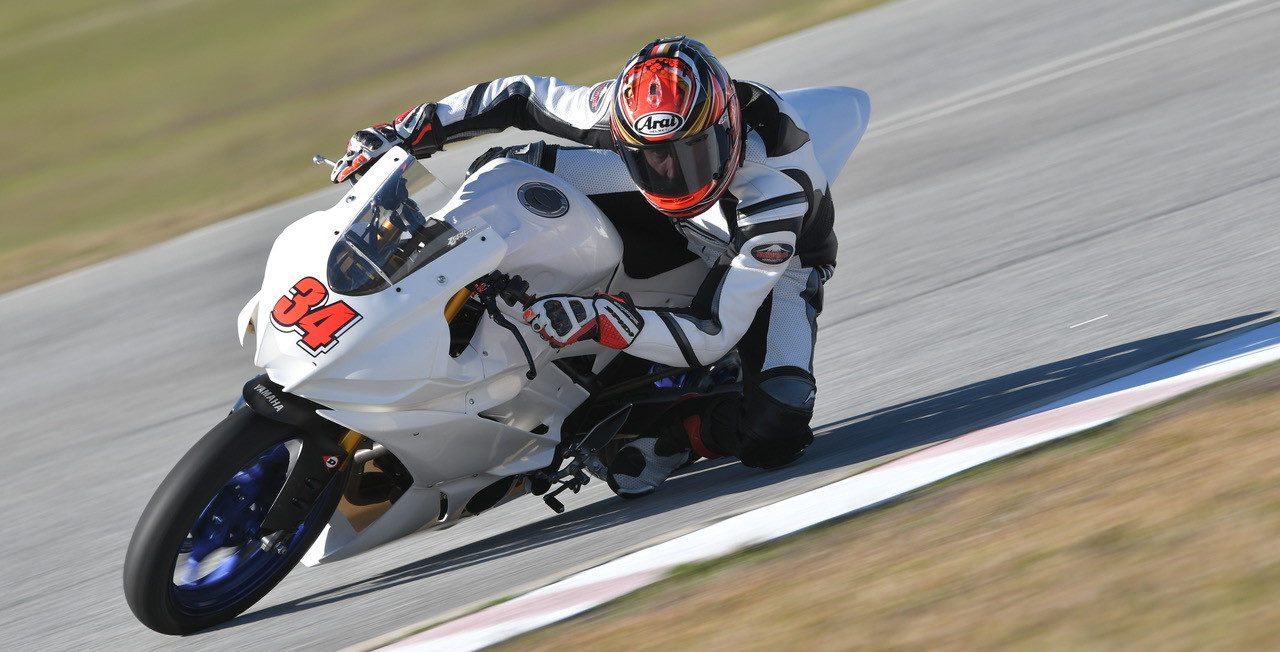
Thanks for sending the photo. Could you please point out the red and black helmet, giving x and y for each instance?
(676, 123)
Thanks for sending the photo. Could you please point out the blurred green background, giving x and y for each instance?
(131, 122)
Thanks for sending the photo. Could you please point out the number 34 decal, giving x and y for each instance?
(302, 310)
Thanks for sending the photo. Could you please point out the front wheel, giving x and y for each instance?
(196, 558)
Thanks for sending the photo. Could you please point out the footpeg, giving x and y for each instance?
(573, 476)
(574, 483)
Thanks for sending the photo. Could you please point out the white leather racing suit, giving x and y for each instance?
(766, 260)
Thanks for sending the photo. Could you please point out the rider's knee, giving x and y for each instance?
(775, 426)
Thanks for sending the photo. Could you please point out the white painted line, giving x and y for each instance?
(1088, 321)
(1074, 414)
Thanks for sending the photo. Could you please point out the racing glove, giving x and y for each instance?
(564, 319)
(417, 130)
(364, 148)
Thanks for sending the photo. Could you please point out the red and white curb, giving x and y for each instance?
(1076, 413)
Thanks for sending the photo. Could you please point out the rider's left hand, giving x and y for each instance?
(417, 130)
(365, 148)
(564, 319)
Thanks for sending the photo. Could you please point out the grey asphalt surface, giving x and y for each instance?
(1135, 180)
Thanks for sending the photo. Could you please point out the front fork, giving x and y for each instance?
(327, 449)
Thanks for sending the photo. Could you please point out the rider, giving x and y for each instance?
(674, 127)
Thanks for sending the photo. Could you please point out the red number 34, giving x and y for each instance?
(302, 310)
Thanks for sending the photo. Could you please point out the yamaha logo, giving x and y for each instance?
(659, 123)
(271, 397)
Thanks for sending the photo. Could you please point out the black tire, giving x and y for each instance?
(181, 499)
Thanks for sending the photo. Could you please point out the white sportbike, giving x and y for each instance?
(402, 393)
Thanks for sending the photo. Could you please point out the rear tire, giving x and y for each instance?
(185, 503)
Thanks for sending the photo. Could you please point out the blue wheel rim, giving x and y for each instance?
(221, 560)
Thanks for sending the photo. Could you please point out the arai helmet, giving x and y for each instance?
(677, 125)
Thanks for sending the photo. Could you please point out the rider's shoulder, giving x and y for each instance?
(767, 115)
(756, 181)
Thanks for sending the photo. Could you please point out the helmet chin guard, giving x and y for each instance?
(677, 124)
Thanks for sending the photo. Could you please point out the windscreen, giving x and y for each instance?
(393, 235)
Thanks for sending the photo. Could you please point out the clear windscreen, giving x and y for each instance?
(394, 234)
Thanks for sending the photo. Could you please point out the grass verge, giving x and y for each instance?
(1157, 532)
(142, 119)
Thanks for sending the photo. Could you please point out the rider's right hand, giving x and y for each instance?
(563, 319)
(417, 130)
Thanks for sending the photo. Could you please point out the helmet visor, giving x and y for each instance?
(684, 168)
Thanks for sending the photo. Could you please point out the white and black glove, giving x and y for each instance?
(364, 148)
(417, 130)
(564, 319)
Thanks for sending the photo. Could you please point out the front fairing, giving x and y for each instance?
(369, 348)
(458, 424)
(391, 348)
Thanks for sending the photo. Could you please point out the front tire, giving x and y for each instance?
(194, 560)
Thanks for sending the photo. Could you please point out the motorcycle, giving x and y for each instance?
(401, 391)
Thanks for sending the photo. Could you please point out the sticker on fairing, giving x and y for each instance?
(302, 310)
(773, 254)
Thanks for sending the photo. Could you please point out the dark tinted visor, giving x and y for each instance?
(680, 167)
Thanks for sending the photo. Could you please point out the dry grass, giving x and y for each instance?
(136, 120)
(1159, 533)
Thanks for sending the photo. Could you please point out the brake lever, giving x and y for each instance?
(322, 160)
(491, 306)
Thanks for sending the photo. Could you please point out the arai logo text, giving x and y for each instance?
(658, 123)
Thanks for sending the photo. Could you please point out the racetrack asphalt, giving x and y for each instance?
(1050, 193)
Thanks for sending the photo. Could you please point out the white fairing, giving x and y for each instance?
(389, 374)
(396, 355)
(459, 424)
(835, 117)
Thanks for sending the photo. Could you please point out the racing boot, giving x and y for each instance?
(643, 465)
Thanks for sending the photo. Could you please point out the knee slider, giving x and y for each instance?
(776, 429)
(792, 391)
